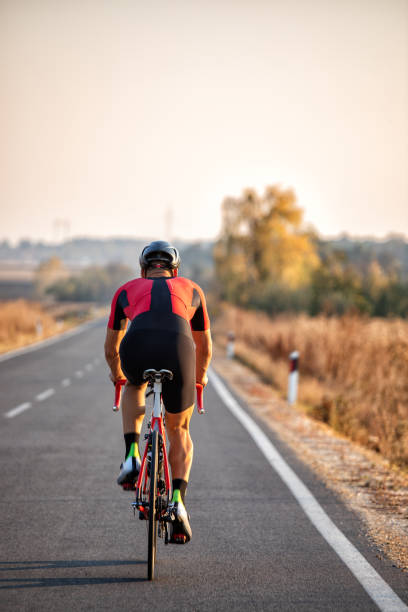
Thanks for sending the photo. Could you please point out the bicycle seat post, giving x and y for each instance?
(157, 389)
(156, 377)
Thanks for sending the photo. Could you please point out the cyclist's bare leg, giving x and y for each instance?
(133, 407)
(181, 444)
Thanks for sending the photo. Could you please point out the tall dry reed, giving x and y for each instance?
(353, 370)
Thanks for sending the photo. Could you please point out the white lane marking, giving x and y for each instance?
(44, 395)
(42, 343)
(89, 367)
(66, 382)
(18, 410)
(379, 591)
(79, 374)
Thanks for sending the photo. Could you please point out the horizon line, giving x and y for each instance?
(342, 235)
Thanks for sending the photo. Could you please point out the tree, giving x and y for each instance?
(263, 243)
(337, 287)
(48, 272)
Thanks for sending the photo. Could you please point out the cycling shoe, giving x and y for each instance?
(180, 530)
(129, 471)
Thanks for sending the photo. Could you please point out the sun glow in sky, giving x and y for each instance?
(116, 112)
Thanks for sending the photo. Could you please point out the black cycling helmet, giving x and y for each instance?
(160, 252)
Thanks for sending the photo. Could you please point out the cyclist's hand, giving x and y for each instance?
(115, 379)
(202, 380)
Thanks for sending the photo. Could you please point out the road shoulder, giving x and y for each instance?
(367, 484)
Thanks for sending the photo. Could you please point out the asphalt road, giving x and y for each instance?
(69, 539)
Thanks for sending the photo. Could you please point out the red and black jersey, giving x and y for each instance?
(173, 304)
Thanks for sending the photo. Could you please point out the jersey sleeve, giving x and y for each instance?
(200, 320)
(117, 313)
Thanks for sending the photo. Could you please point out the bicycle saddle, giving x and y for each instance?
(157, 375)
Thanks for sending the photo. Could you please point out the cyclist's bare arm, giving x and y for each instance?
(203, 342)
(112, 343)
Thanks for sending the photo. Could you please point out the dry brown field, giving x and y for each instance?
(353, 371)
(23, 322)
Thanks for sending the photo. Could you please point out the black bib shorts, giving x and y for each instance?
(142, 349)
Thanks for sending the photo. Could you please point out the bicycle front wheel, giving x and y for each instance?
(152, 535)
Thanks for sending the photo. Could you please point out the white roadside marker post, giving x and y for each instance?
(39, 328)
(293, 377)
(230, 345)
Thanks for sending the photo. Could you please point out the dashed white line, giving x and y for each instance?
(48, 392)
(374, 585)
(18, 410)
(44, 395)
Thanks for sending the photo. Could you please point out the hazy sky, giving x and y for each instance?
(114, 112)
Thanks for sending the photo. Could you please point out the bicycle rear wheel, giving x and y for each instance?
(152, 533)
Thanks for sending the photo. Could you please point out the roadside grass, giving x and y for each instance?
(353, 371)
(23, 322)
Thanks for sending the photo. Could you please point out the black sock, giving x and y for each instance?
(179, 483)
(130, 438)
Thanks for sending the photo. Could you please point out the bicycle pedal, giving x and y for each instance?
(129, 486)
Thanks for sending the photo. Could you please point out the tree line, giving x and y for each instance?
(98, 283)
(92, 284)
(267, 259)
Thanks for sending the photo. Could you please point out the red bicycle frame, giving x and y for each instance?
(155, 423)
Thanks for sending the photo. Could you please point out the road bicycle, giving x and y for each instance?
(153, 486)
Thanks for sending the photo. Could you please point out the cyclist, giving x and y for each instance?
(169, 328)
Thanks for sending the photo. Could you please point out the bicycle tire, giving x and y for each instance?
(152, 531)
